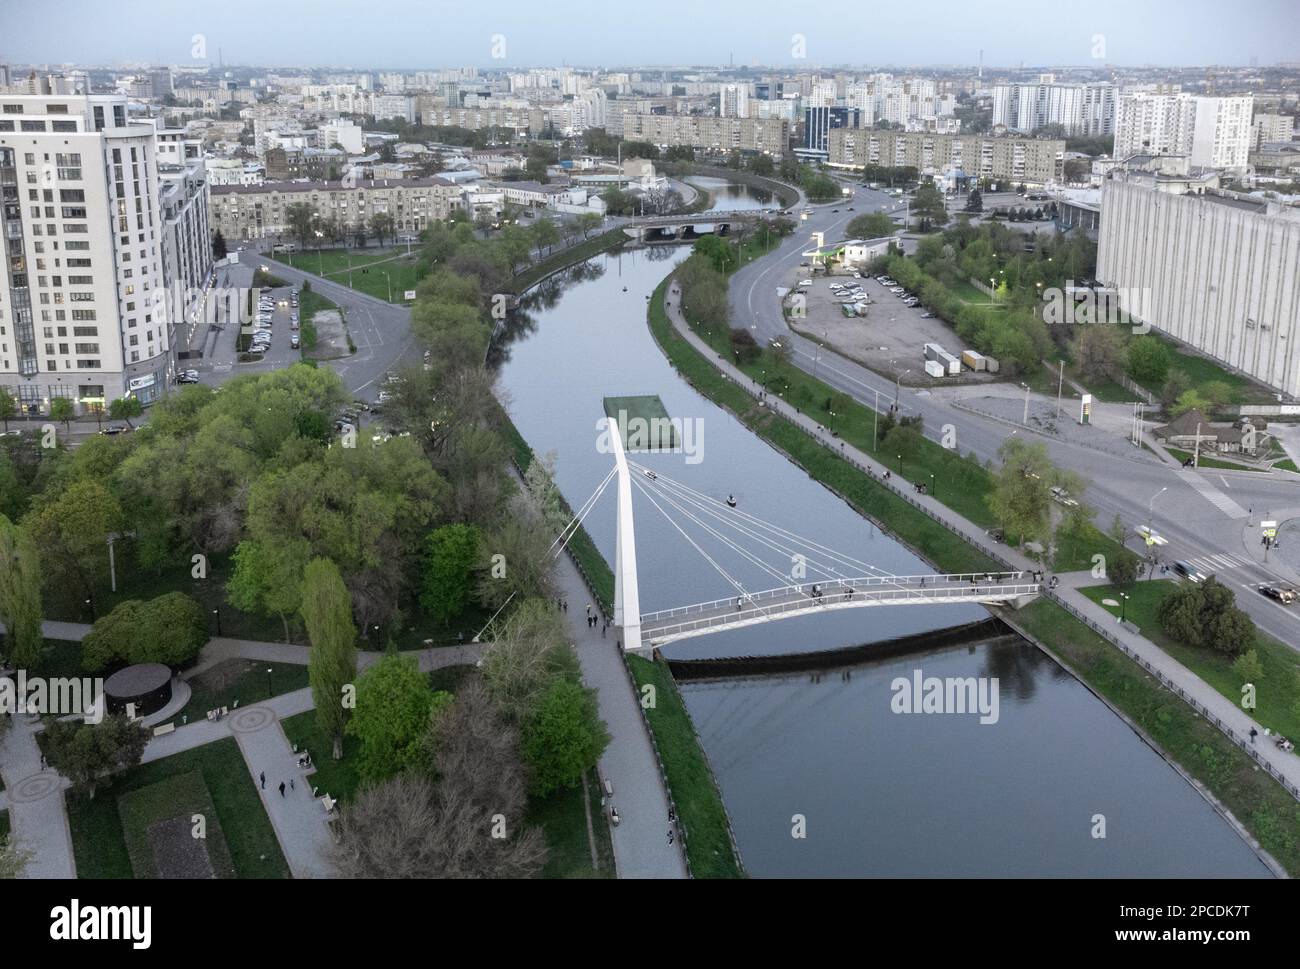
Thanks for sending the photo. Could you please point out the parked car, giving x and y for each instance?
(112, 429)
(293, 342)
(1189, 572)
(187, 377)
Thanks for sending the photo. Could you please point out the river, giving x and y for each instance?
(881, 793)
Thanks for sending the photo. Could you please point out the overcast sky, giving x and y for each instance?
(432, 33)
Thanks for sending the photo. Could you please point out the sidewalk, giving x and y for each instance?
(1222, 711)
(641, 848)
(37, 819)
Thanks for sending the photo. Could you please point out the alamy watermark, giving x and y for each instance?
(1081, 305)
(650, 433)
(948, 694)
(52, 696)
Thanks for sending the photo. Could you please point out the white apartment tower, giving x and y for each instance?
(1213, 132)
(1082, 109)
(84, 308)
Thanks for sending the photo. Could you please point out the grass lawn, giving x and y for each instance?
(177, 799)
(699, 804)
(1203, 370)
(1075, 549)
(1259, 802)
(4, 826)
(338, 778)
(241, 680)
(1277, 692)
(1208, 462)
(99, 838)
(1286, 465)
(376, 272)
(563, 818)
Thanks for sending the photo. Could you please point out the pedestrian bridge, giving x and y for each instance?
(808, 577)
(858, 592)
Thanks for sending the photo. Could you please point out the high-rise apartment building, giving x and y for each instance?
(733, 101)
(820, 121)
(768, 135)
(94, 234)
(1213, 132)
(1081, 109)
(1036, 161)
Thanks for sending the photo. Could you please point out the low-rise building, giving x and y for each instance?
(262, 211)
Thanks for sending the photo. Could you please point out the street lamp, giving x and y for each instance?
(934, 489)
(217, 614)
(1123, 608)
(268, 682)
(898, 382)
(1151, 506)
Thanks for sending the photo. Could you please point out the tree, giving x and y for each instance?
(1148, 360)
(1206, 614)
(468, 823)
(589, 222)
(381, 226)
(1175, 385)
(301, 218)
(170, 629)
(1124, 568)
(1098, 351)
(1021, 499)
(62, 409)
(124, 408)
(327, 614)
(1248, 667)
(744, 347)
(394, 701)
(8, 407)
(72, 531)
(929, 207)
(975, 201)
(218, 246)
(545, 235)
(268, 578)
(20, 594)
(563, 737)
(873, 225)
(86, 753)
(524, 657)
(14, 858)
(452, 552)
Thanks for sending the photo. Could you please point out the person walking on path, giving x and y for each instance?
(282, 788)
(262, 778)
(291, 787)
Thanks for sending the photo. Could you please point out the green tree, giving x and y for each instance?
(1123, 569)
(563, 737)
(62, 409)
(1098, 351)
(589, 222)
(382, 226)
(268, 578)
(394, 704)
(1021, 498)
(928, 207)
(1206, 614)
(1148, 360)
(8, 407)
(545, 236)
(872, 225)
(72, 531)
(452, 553)
(88, 753)
(975, 201)
(1248, 667)
(20, 594)
(327, 614)
(124, 408)
(718, 251)
(170, 629)
(301, 218)
(219, 250)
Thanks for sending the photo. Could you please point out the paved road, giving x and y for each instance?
(1195, 510)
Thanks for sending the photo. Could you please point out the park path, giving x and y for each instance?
(38, 820)
(641, 848)
(1223, 712)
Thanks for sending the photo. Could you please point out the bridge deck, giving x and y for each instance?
(786, 602)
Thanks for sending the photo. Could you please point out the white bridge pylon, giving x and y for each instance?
(825, 579)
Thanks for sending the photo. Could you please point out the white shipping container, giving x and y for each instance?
(950, 363)
(934, 368)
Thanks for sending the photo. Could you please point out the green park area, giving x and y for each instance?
(385, 274)
(139, 825)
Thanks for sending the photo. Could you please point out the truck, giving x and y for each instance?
(974, 360)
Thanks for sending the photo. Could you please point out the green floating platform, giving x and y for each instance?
(643, 422)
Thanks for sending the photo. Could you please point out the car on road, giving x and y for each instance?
(1281, 594)
(897, 290)
(293, 342)
(1189, 572)
(187, 377)
(1062, 496)
(112, 429)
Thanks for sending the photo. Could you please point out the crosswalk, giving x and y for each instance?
(1220, 562)
(1213, 495)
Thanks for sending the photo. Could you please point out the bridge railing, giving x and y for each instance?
(666, 628)
(829, 586)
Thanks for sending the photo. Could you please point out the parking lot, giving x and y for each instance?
(223, 359)
(890, 339)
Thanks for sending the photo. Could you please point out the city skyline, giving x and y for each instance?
(1110, 33)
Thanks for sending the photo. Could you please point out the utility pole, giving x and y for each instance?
(1060, 381)
(875, 421)
(1025, 417)
(1196, 452)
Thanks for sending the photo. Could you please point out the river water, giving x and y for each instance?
(880, 793)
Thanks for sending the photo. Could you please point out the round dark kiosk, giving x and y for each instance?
(147, 685)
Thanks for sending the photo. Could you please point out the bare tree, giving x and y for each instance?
(468, 823)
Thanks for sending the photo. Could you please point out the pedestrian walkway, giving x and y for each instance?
(641, 848)
(1222, 711)
(37, 819)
